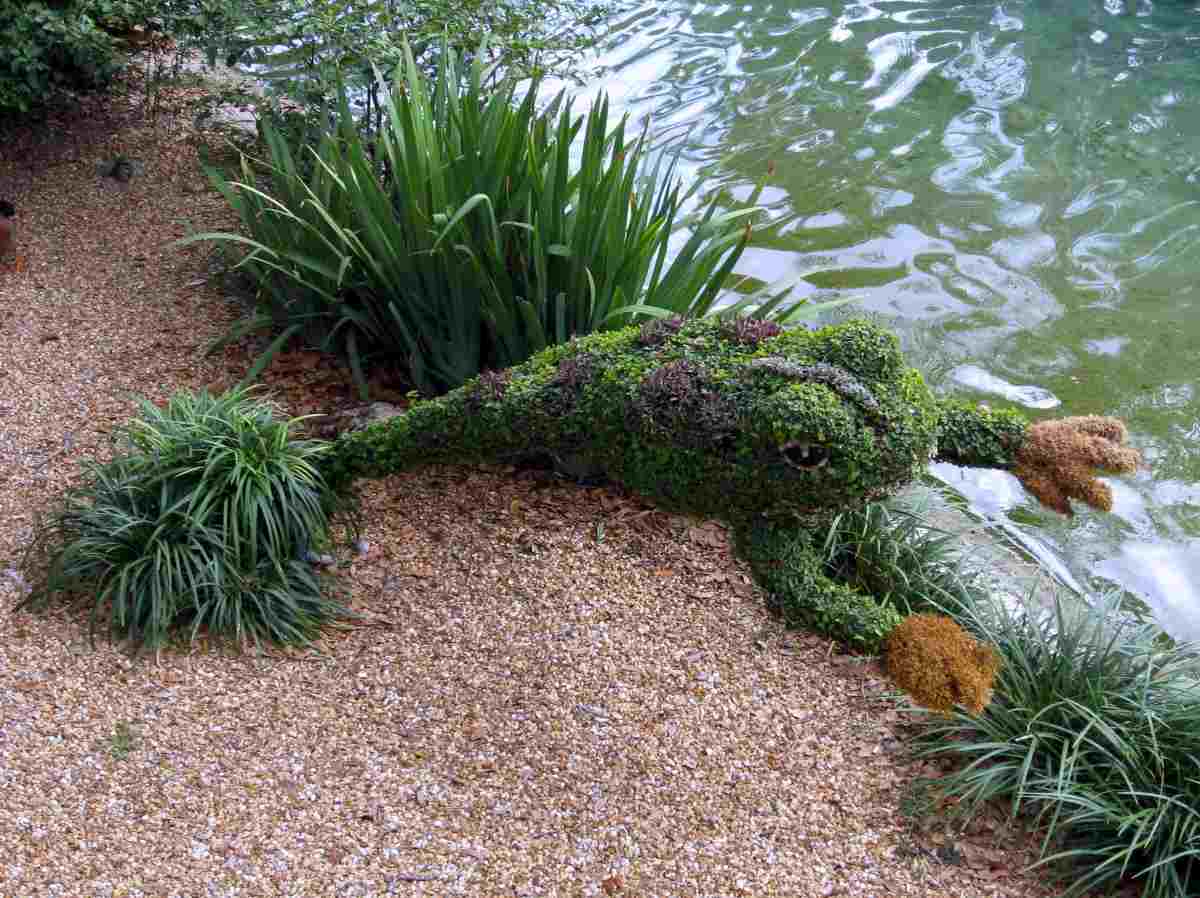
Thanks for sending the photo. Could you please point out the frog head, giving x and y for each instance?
(770, 421)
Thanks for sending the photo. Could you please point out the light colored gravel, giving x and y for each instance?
(558, 692)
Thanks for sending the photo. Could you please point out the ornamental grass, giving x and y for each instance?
(477, 227)
(202, 520)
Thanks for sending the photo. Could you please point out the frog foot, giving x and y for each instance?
(1057, 459)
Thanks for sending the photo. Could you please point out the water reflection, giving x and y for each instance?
(1017, 185)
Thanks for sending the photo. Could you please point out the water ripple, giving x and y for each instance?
(1016, 185)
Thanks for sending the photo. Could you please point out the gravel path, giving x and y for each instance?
(558, 691)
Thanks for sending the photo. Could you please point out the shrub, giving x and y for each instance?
(45, 49)
(203, 519)
(326, 44)
(937, 662)
(1095, 729)
(466, 238)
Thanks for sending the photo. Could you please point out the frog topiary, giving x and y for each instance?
(775, 431)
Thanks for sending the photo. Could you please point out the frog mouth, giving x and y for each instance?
(804, 456)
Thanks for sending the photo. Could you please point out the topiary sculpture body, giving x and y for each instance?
(773, 431)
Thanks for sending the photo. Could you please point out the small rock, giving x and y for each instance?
(120, 168)
(15, 575)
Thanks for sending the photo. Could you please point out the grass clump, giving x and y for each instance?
(1094, 731)
(475, 228)
(893, 551)
(201, 520)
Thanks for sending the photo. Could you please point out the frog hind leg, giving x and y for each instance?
(787, 562)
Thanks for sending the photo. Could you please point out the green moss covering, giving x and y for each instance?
(772, 431)
(980, 437)
(787, 563)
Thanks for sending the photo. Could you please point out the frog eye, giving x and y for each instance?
(804, 456)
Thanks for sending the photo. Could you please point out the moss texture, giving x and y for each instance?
(940, 665)
(699, 416)
(788, 564)
(980, 437)
(1054, 460)
(774, 431)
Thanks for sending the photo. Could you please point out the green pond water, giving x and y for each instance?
(1015, 186)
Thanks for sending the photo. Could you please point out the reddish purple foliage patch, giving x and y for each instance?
(678, 399)
(750, 331)
(575, 371)
(490, 387)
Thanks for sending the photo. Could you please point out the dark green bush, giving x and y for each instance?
(63, 45)
(467, 237)
(45, 49)
(306, 50)
(203, 519)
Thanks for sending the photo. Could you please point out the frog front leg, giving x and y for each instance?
(1055, 460)
(785, 557)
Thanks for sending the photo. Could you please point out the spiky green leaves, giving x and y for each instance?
(479, 228)
(202, 520)
(1095, 731)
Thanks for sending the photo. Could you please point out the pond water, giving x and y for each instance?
(1015, 186)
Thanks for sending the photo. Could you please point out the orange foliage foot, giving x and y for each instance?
(1058, 459)
(940, 665)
